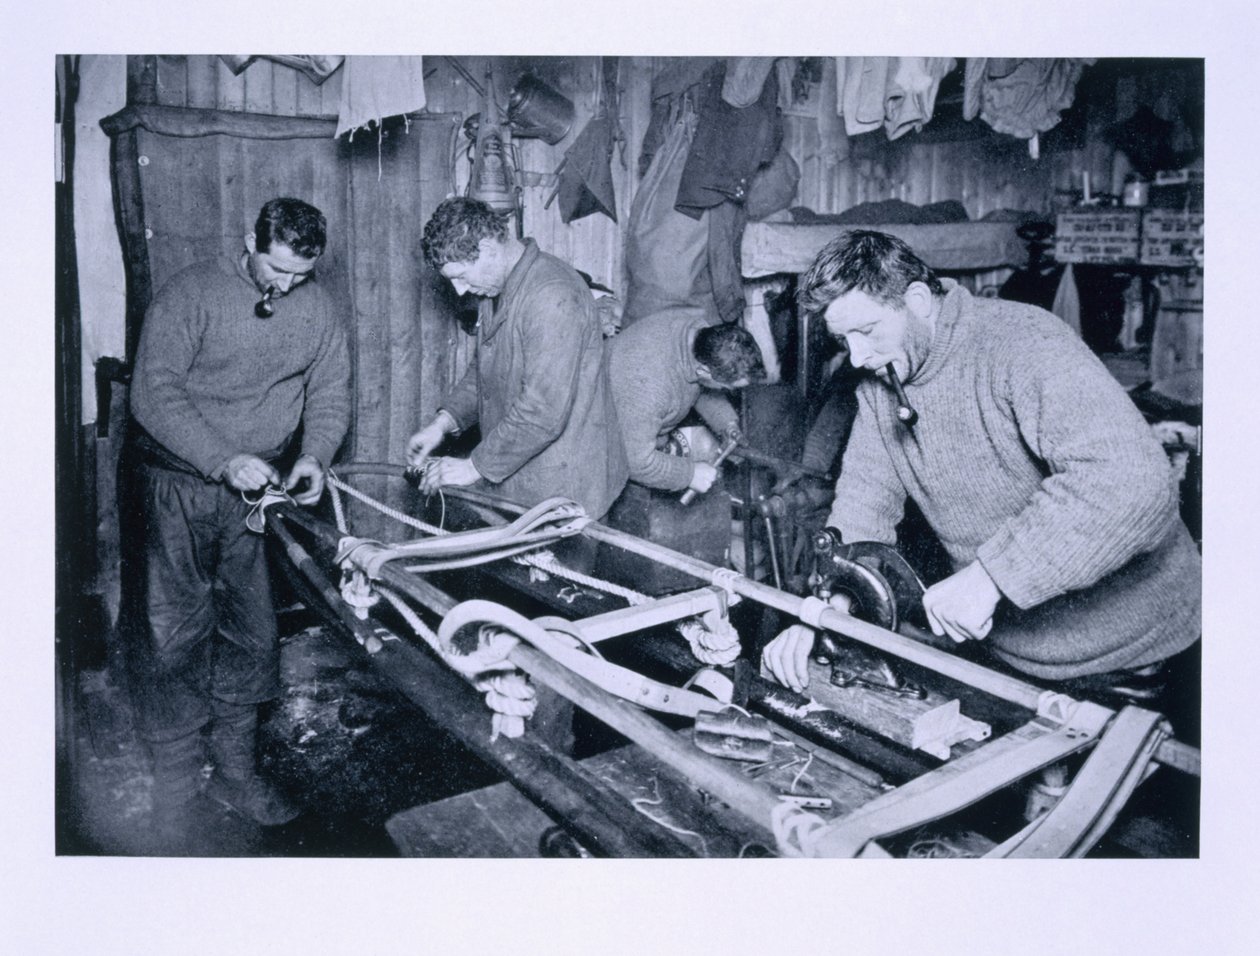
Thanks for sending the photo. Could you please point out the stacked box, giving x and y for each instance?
(1103, 236)
(1172, 237)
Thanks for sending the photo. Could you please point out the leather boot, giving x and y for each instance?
(235, 782)
(176, 778)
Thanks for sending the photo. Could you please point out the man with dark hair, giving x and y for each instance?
(661, 368)
(1049, 492)
(237, 358)
(292, 223)
(538, 386)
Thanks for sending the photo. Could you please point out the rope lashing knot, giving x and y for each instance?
(795, 830)
(1055, 706)
(509, 694)
(725, 579)
(357, 591)
(488, 651)
(256, 520)
(713, 638)
(512, 699)
(366, 554)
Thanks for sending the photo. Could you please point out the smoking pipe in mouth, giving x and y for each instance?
(263, 307)
(905, 411)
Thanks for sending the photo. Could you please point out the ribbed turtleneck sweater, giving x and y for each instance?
(1028, 456)
(213, 380)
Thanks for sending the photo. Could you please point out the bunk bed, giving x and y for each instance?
(770, 248)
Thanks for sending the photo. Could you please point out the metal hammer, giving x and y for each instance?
(689, 495)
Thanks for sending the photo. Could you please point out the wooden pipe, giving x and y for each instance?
(905, 411)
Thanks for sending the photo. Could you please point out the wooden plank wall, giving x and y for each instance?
(984, 172)
(592, 244)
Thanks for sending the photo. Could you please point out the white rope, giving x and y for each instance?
(423, 631)
(725, 578)
(707, 645)
(508, 694)
(546, 561)
(800, 773)
(384, 508)
(338, 510)
(795, 830)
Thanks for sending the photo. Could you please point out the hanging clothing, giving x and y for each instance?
(730, 145)
(1020, 97)
(897, 93)
(745, 79)
(586, 183)
(833, 140)
(666, 252)
(373, 87)
(1067, 300)
(861, 90)
(315, 68)
(911, 95)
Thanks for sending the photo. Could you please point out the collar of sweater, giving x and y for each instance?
(948, 333)
(491, 323)
(241, 268)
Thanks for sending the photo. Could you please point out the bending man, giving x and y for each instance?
(1048, 490)
(538, 387)
(662, 367)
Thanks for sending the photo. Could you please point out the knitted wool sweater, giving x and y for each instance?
(1029, 457)
(654, 381)
(212, 380)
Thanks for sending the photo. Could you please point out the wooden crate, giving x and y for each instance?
(1105, 236)
(1171, 237)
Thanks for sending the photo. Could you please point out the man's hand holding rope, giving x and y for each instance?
(451, 472)
(307, 468)
(246, 472)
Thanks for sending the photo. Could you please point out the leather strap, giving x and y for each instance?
(1102, 786)
(961, 783)
(620, 681)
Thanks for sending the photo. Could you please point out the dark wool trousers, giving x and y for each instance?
(211, 626)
